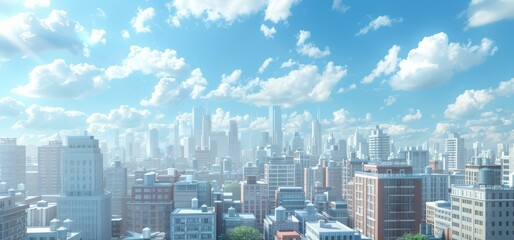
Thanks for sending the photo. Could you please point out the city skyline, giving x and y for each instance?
(89, 66)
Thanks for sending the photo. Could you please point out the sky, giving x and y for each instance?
(419, 69)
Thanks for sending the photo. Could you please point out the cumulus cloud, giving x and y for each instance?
(265, 64)
(61, 81)
(385, 66)
(505, 88)
(10, 107)
(469, 103)
(309, 49)
(443, 128)
(352, 86)
(435, 61)
(304, 84)
(97, 36)
(279, 10)
(379, 22)
(26, 34)
(297, 122)
(339, 6)
(287, 64)
(229, 87)
(140, 21)
(36, 3)
(125, 34)
(342, 116)
(413, 115)
(268, 32)
(43, 118)
(401, 131)
(389, 100)
(169, 91)
(212, 11)
(482, 13)
(149, 61)
(124, 117)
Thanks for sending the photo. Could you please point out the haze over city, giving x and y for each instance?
(227, 94)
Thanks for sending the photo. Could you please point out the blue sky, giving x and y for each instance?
(420, 69)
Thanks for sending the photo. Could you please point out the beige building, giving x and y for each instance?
(254, 199)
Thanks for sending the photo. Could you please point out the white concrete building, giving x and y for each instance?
(193, 224)
(322, 230)
(82, 196)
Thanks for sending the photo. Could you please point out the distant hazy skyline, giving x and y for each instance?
(420, 69)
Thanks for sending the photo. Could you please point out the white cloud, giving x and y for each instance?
(505, 88)
(352, 86)
(279, 10)
(124, 117)
(229, 88)
(10, 107)
(265, 64)
(139, 22)
(413, 115)
(268, 32)
(36, 3)
(43, 118)
(26, 34)
(339, 6)
(60, 80)
(309, 49)
(212, 11)
(435, 60)
(304, 84)
(342, 116)
(148, 61)
(169, 91)
(97, 36)
(482, 12)
(469, 103)
(389, 100)
(385, 66)
(377, 23)
(101, 13)
(400, 131)
(297, 122)
(443, 128)
(125, 34)
(288, 63)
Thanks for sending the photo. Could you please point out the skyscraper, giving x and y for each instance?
(82, 196)
(316, 142)
(116, 184)
(153, 144)
(297, 142)
(12, 162)
(177, 150)
(49, 167)
(379, 145)
(130, 146)
(275, 124)
(196, 129)
(206, 131)
(454, 148)
(234, 147)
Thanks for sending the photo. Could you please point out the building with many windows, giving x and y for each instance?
(12, 162)
(322, 230)
(482, 212)
(187, 223)
(254, 199)
(13, 218)
(379, 145)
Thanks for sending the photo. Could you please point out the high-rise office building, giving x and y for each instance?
(49, 167)
(12, 162)
(456, 153)
(116, 184)
(379, 145)
(206, 131)
(482, 212)
(275, 126)
(82, 195)
(278, 172)
(130, 147)
(316, 141)
(177, 149)
(254, 199)
(153, 144)
(297, 142)
(150, 205)
(386, 201)
(196, 128)
(13, 218)
(234, 147)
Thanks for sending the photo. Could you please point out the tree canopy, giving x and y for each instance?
(244, 233)
(413, 237)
